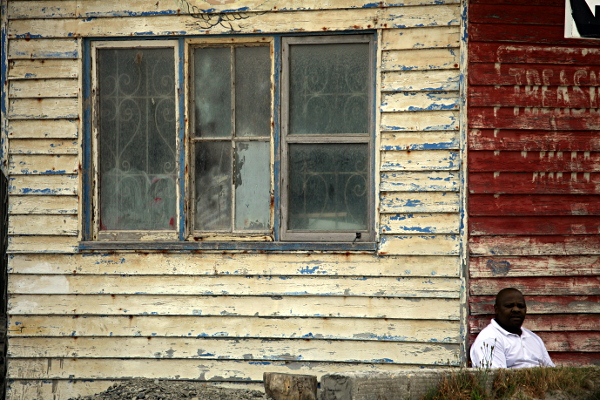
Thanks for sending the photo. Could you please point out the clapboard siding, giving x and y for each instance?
(534, 172)
(82, 319)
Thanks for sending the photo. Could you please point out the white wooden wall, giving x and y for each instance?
(79, 322)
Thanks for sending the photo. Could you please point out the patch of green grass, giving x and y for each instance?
(522, 384)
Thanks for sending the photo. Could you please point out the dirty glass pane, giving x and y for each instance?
(252, 186)
(329, 88)
(137, 133)
(213, 186)
(212, 88)
(328, 187)
(252, 91)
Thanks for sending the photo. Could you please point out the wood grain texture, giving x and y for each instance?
(587, 305)
(540, 205)
(547, 286)
(435, 181)
(547, 323)
(203, 370)
(49, 184)
(43, 225)
(538, 225)
(545, 161)
(432, 140)
(535, 245)
(275, 306)
(546, 266)
(533, 54)
(532, 140)
(43, 68)
(510, 74)
(434, 80)
(423, 244)
(39, 129)
(221, 349)
(445, 202)
(437, 223)
(578, 183)
(238, 264)
(44, 146)
(236, 327)
(235, 285)
(426, 160)
(534, 96)
(43, 164)
(43, 205)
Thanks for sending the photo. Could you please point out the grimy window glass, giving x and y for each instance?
(328, 138)
(231, 138)
(137, 139)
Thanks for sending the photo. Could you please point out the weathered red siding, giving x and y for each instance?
(534, 172)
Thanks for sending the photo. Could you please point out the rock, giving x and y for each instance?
(290, 386)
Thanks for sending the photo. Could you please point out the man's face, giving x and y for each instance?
(510, 311)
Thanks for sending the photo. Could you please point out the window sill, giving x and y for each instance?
(228, 246)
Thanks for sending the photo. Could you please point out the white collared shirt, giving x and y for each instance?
(498, 348)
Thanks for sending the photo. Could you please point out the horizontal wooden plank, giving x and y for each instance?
(43, 48)
(44, 146)
(544, 286)
(551, 119)
(43, 205)
(111, 8)
(516, 14)
(276, 306)
(43, 225)
(571, 341)
(547, 323)
(421, 160)
(433, 181)
(549, 3)
(532, 140)
(43, 88)
(533, 75)
(487, 267)
(535, 245)
(587, 305)
(431, 80)
(42, 244)
(534, 96)
(422, 59)
(430, 140)
(420, 244)
(420, 223)
(419, 101)
(39, 129)
(43, 184)
(534, 182)
(59, 389)
(235, 285)
(43, 68)
(538, 225)
(236, 327)
(522, 33)
(420, 121)
(240, 22)
(43, 164)
(52, 108)
(288, 264)
(577, 359)
(225, 370)
(420, 38)
(522, 204)
(391, 202)
(531, 54)
(260, 350)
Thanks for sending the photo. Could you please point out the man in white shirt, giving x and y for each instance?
(504, 343)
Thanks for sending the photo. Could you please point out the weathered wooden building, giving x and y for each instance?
(533, 166)
(214, 189)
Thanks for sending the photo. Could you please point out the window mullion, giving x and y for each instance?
(233, 137)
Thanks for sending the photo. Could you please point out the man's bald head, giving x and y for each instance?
(510, 309)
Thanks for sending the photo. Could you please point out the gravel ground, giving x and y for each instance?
(150, 389)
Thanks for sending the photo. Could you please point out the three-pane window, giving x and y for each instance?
(267, 139)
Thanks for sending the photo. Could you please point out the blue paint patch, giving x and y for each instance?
(260, 363)
(28, 36)
(285, 278)
(196, 312)
(18, 323)
(308, 270)
(371, 5)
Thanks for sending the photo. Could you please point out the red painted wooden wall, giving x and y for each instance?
(534, 172)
